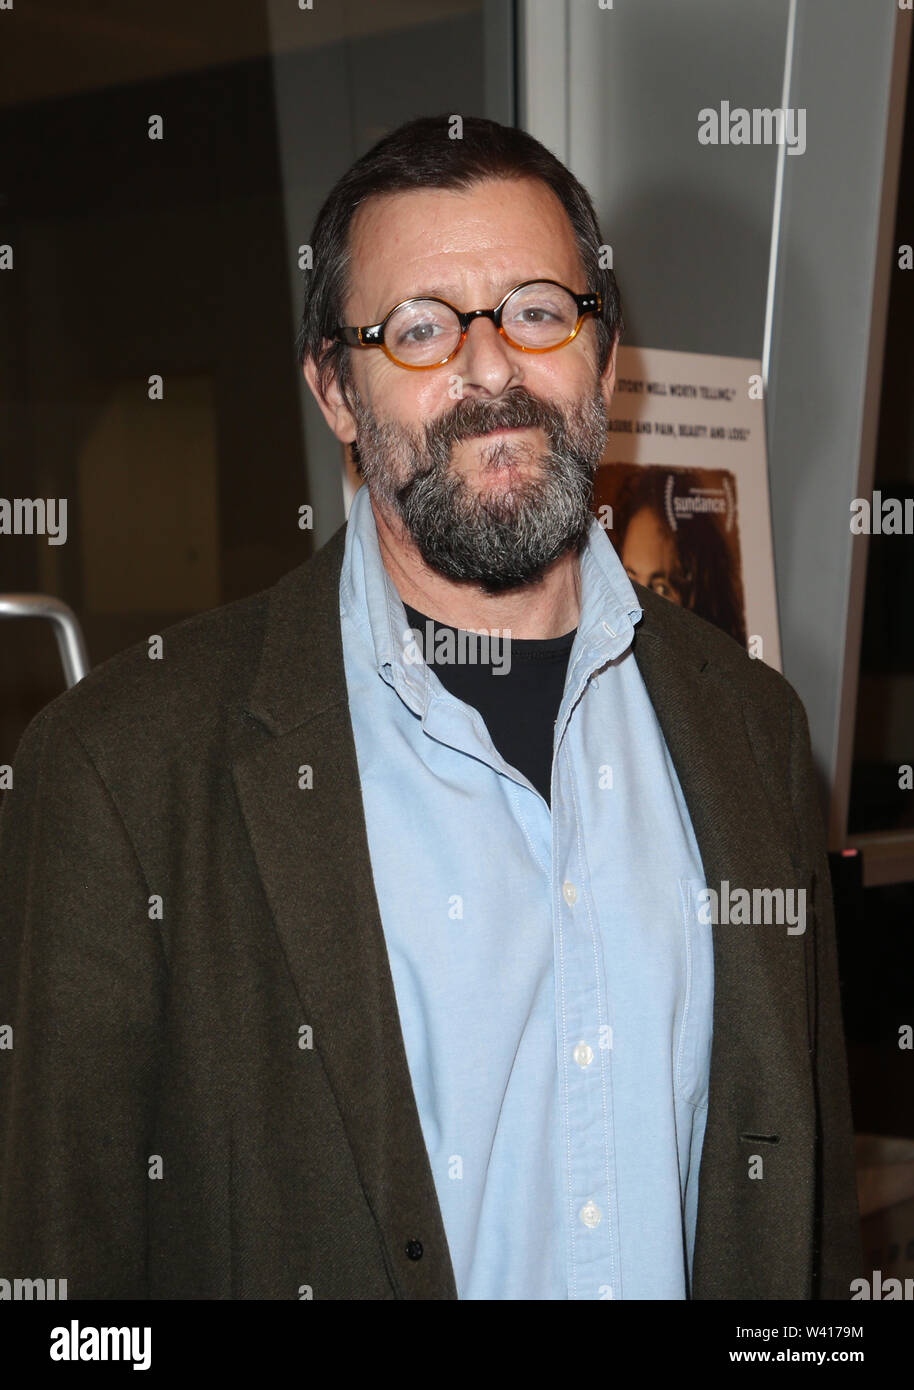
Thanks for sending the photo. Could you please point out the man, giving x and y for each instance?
(338, 972)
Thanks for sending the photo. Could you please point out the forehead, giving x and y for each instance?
(480, 240)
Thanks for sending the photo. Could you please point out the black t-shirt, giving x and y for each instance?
(519, 705)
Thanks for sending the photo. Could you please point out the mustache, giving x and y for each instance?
(471, 418)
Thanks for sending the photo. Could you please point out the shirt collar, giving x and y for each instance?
(609, 606)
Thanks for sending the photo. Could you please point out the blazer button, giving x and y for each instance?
(414, 1249)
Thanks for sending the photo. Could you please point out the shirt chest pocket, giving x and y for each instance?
(692, 1056)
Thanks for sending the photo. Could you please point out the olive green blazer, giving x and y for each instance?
(207, 1094)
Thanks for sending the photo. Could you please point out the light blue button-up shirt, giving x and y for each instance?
(553, 981)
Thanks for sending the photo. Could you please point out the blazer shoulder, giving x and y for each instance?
(176, 690)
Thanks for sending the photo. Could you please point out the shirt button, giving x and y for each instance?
(414, 1249)
(595, 684)
(590, 1214)
(569, 892)
(583, 1054)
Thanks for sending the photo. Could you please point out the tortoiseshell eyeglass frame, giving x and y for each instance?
(372, 335)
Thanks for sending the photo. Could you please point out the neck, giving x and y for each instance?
(550, 607)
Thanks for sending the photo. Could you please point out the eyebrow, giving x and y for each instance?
(436, 292)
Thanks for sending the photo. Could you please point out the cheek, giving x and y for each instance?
(566, 374)
(410, 398)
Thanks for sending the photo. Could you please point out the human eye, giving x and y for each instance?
(423, 332)
(541, 315)
(536, 313)
(418, 324)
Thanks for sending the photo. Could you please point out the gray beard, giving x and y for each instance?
(502, 541)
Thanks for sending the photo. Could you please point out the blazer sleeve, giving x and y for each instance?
(838, 1251)
(82, 984)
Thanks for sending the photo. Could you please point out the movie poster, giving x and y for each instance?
(683, 489)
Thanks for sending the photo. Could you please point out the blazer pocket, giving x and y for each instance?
(693, 1045)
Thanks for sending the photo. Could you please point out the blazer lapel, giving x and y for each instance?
(312, 853)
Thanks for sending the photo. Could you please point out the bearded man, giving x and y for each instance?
(429, 1007)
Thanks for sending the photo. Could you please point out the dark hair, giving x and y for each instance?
(421, 154)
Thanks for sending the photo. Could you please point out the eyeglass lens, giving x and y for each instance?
(425, 331)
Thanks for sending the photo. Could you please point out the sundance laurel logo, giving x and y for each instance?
(754, 908)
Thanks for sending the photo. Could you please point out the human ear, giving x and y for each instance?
(608, 376)
(332, 403)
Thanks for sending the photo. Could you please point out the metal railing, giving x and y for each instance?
(70, 644)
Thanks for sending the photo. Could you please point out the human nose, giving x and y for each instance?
(486, 363)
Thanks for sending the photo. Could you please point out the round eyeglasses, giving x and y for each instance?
(536, 316)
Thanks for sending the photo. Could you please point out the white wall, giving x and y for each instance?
(739, 252)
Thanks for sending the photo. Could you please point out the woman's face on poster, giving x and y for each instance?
(649, 554)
